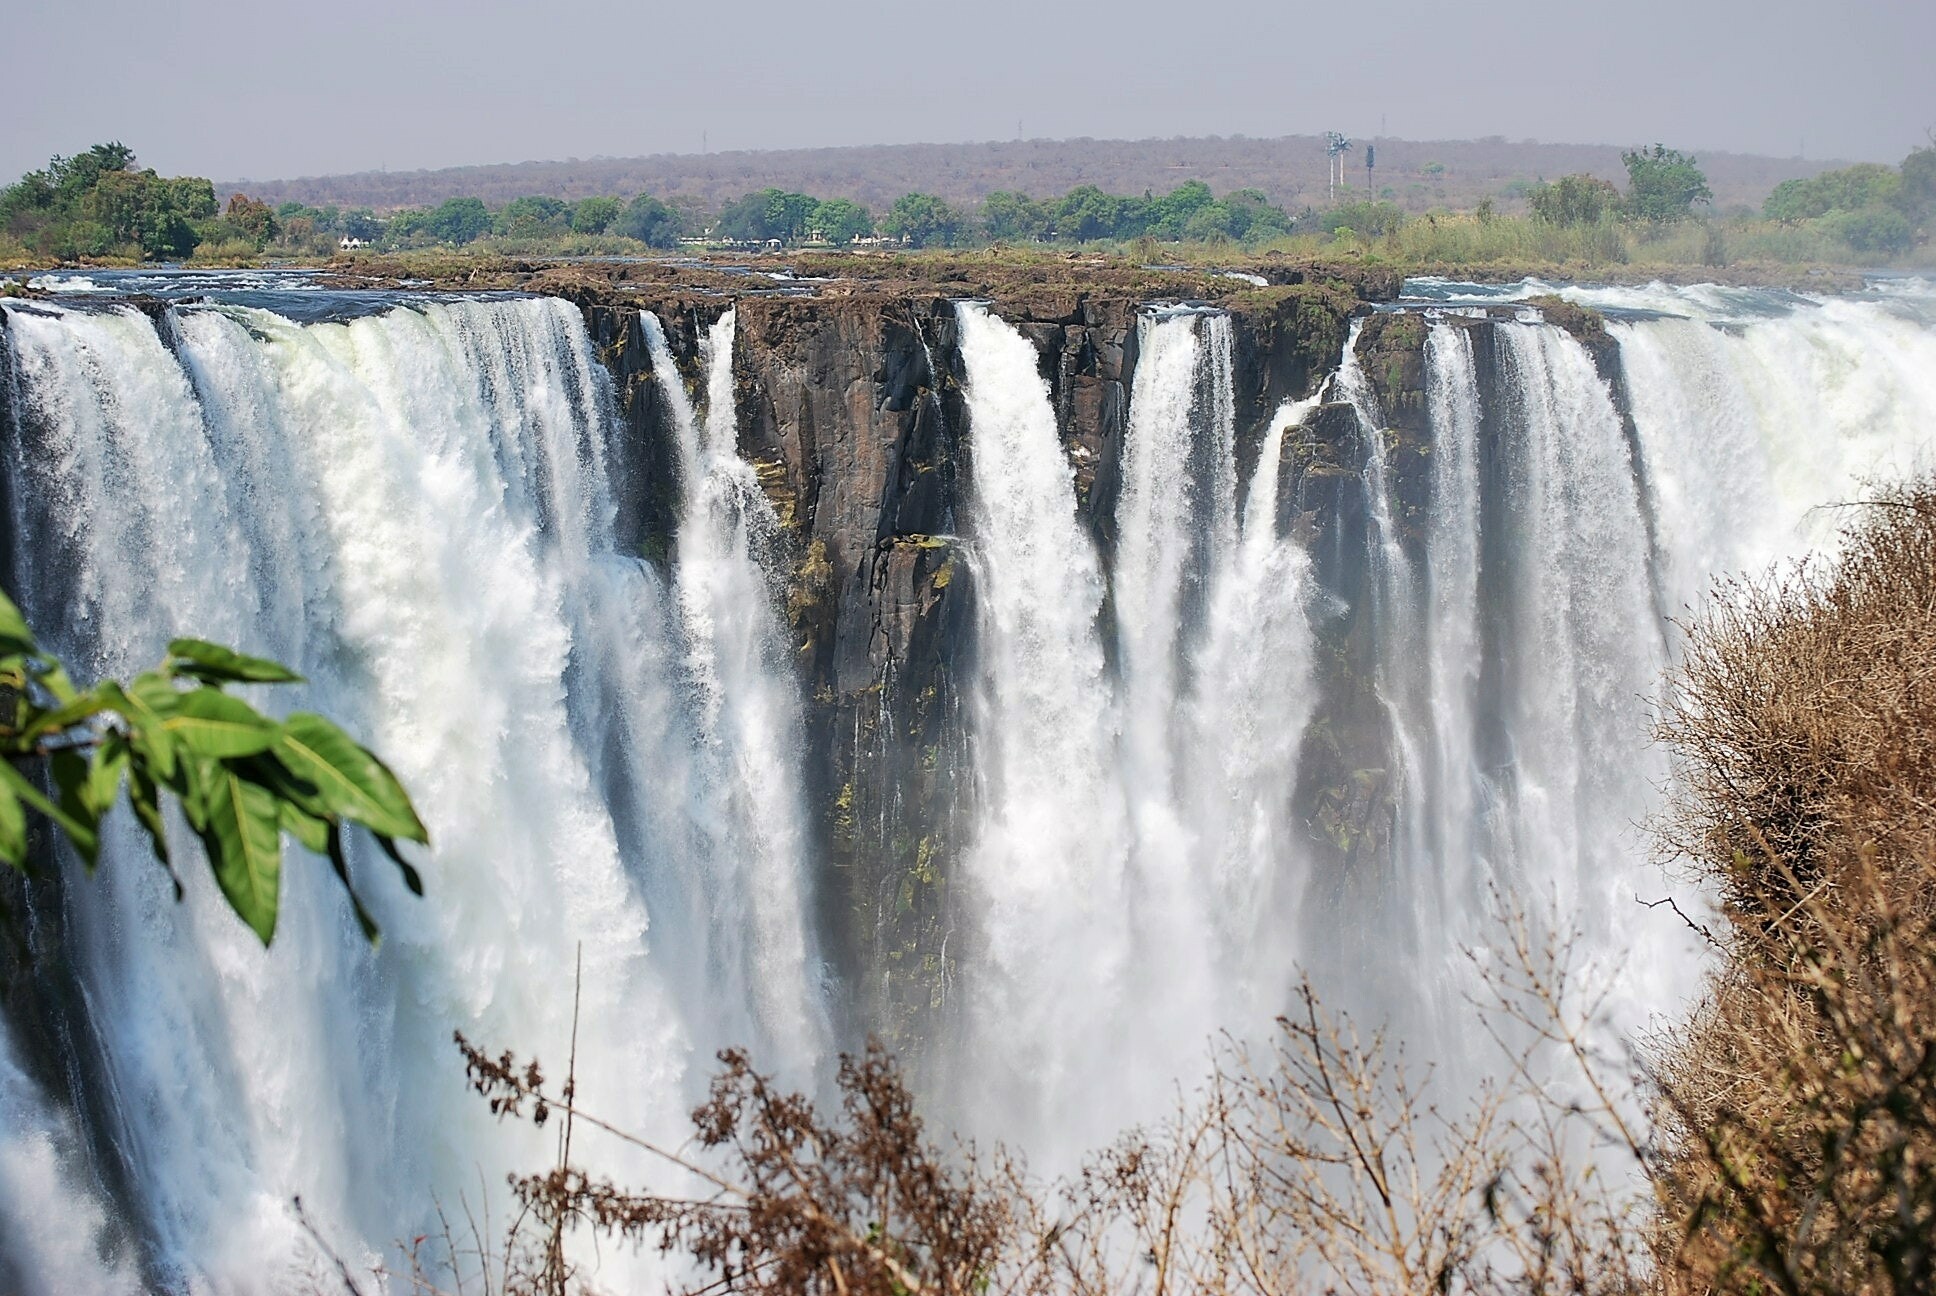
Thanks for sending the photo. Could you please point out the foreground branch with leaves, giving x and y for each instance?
(242, 779)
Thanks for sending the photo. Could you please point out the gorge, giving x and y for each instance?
(1036, 678)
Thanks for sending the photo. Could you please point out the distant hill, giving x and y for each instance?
(1290, 169)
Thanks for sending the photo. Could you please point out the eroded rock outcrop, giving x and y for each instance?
(851, 411)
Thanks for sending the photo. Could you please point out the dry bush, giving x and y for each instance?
(1799, 1114)
(1317, 1161)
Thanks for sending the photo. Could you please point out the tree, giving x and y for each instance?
(459, 221)
(1878, 230)
(1015, 216)
(242, 779)
(923, 220)
(1087, 213)
(254, 220)
(595, 215)
(1867, 184)
(769, 214)
(533, 216)
(1252, 215)
(1663, 184)
(362, 223)
(1169, 216)
(1579, 199)
(650, 222)
(1918, 193)
(842, 220)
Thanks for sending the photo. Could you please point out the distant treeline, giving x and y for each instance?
(99, 205)
(1191, 211)
(1872, 209)
(1416, 175)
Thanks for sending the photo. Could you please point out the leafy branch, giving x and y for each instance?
(242, 779)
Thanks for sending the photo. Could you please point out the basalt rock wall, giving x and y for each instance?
(851, 411)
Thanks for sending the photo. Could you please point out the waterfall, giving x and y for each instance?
(749, 750)
(414, 509)
(420, 508)
(1049, 980)
(1130, 858)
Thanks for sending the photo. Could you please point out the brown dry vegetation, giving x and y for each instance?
(1799, 1130)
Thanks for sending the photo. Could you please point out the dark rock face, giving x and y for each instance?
(851, 412)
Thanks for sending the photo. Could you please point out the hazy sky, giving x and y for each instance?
(265, 89)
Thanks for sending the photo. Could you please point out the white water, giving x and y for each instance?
(417, 509)
(1132, 843)
(1138, 849)
(414, 510)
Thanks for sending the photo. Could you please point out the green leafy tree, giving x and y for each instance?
(1578, 199)
(1370, 219)
(1917, 196)
(1169, 217)
(1007, 216)
(1252, 215)
(362, 223)
(459, 221)
(923, 220)
(769, 214)
(256, 222)
(650, 222)
(407, 227)
(533, 216)
(242, 780)
(1663, 184)
(1867, 184)
(595, 215)
(842, 220)
(1086, 214)
(1876, 231)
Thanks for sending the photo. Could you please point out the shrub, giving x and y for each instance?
(1882, 231)
(1799, 1112)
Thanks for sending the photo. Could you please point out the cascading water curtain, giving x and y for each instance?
(415, 509)
(1127, 864)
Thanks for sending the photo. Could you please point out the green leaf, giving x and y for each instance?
(197, 778)
(52, 676)
(411, 878)
(13, 829)
(80, 833)
(147, 704)
(209, 722)
(215, 664)
(368, 924)
(351, 781)
(145, 797)
(244, 844)
(268, 770)
(65, 717)
(71, 777)
(303, 826)
(104, 773)
(15, 637)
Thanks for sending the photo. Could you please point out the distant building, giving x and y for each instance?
(346, 243)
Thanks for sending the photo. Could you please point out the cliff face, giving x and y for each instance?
(851, 411)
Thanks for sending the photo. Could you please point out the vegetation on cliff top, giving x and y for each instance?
(95, 208)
